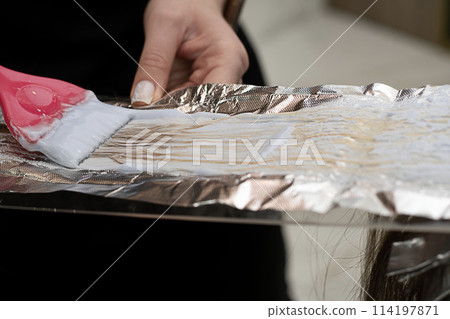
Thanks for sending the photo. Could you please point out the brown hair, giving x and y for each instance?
(378, 284)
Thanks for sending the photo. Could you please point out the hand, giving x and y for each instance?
(186, 43)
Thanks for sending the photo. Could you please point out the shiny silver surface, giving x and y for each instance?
(386, 152)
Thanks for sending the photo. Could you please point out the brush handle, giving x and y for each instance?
(28, 100)
(4, 80)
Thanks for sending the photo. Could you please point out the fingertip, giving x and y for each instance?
(143, 93)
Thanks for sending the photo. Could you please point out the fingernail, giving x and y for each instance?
(143, 93)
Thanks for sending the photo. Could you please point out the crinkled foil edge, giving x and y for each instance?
(33, 173)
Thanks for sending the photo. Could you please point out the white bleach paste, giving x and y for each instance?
(398, 141)
(83, 128)
(355, 135)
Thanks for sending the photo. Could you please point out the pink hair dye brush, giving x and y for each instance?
(59, 119)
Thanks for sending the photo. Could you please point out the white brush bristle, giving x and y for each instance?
(81, 130)
(85, 127)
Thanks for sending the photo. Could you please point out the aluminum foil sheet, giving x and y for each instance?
(382, 150)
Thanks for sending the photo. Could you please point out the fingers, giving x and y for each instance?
(162, 39)
(224, 74)
(219, 58)
(226, 65)
(186, 43)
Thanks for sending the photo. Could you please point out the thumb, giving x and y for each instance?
(160, 47)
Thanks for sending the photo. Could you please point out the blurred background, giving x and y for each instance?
(402, 43)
